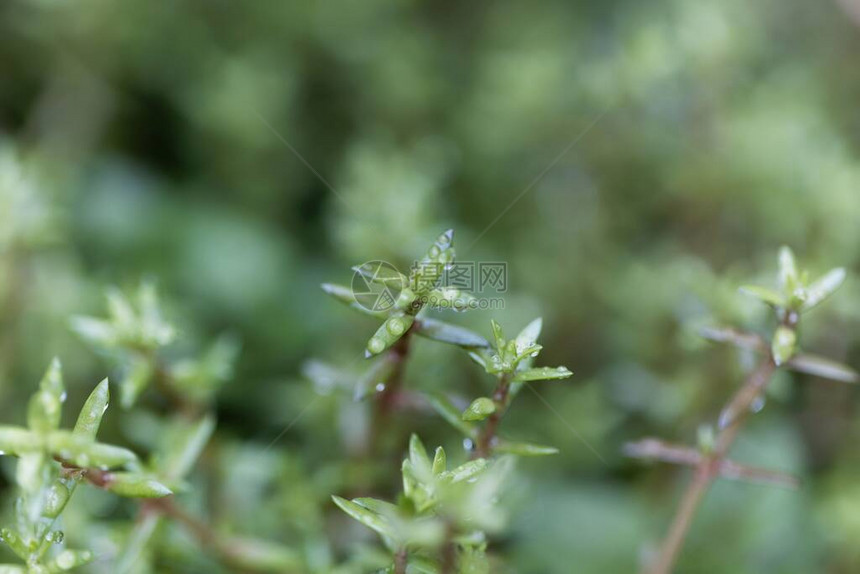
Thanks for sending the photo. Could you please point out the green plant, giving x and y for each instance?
(796, 296)
(51, 464)
(440, 522)
(133, 338)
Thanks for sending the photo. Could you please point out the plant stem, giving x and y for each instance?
(708, 468)
(386, 400)
(400, 561)
(449, 552)
(484, 445)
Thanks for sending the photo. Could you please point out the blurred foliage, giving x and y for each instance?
(633, 164)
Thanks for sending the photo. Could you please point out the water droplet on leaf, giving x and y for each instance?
(757, 405)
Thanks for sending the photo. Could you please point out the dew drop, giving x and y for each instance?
(468, 444)
(395, 327)
(380, 387)
(757, 404)
(375, 345)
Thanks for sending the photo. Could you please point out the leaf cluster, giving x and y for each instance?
(51, 464)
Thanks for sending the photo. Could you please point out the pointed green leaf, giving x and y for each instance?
(823, 288)
(498, 335)
(413, 488)
(524, 448)
(528, 336)
(448, 333)
(427, 273)
(442, 250)
(784, 344)
(821, 367)
(466, 471)
(480, 356)
(90, 417)
(442, 405)
(345, 296)
(389, 333)
(542, 374)
(787, 270)
(418, 458)
(52, 382)
(372, 520)
(769, 296)
(527, 354)
(480, 409)
(134, 485)
(378, 506)
(440, 462)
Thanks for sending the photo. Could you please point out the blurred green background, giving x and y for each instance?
(655, 155)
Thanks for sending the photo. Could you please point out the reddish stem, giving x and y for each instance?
(484, 445)
(708, 469)
(387, 399)
(400, 561)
